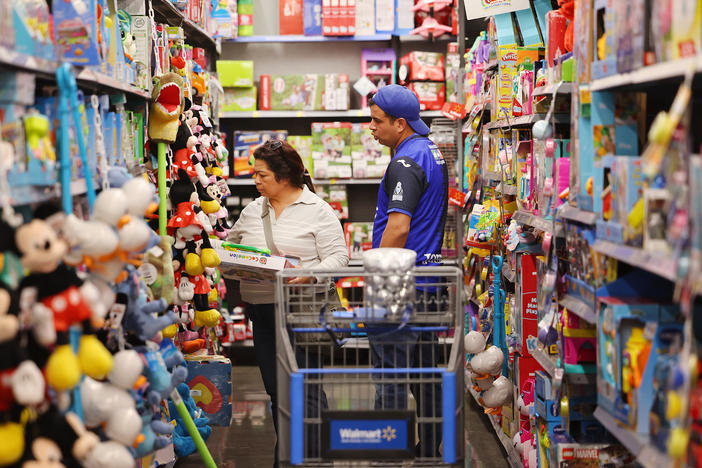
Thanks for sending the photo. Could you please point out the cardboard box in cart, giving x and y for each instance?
(247, 265)
(210, 382)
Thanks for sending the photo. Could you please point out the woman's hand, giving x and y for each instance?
(301, 279)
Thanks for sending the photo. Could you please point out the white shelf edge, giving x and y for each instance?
(565, 88)
(579, 308)
(545, 361)
(661, 265)
(295, 38)
(575, 214)
(649, 74)
(523, 120)
(633, 442)
(530, 219)
(651, 457)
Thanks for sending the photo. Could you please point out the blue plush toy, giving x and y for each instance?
(182, 442)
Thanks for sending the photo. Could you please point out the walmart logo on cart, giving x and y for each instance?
(350, 436)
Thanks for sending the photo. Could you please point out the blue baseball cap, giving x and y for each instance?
(398, 101)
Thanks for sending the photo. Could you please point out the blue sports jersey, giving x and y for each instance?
(416, 184)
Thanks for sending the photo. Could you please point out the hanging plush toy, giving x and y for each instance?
(166, 106)
(191, 225)
(55, 298)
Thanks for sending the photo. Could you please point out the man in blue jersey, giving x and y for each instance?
(411, 214)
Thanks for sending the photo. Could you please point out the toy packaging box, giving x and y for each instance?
(236, 73)
(239, 99)
(422, 66)
(337, 197)
(75, 31)
(431, 95)
(331, 150)
(290, 17)
(359, 238)
(303, 146)
(510, 57)
(293, 92)
(365, 17)
(312, 17)
(370, 159)
(210, 382)
(247, 265)
(686, 28)
(336, 94)
(604, 61)
(245, 143)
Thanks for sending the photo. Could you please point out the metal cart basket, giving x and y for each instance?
(362, 385)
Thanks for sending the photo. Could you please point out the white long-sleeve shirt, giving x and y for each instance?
(307, 228)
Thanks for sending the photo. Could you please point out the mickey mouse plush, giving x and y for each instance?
(55, 299)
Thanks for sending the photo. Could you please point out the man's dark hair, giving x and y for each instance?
(371, 102)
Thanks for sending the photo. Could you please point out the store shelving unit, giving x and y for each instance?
(649, 75)
(308, 114)
(525, 120)
(545, 361)
(574, 214)
(531, 219)
(166, 12)
(507, 189)
(301, 38)
(578, 307)
(565, 88)
(654, 262)
(86, 77)
(508, 273)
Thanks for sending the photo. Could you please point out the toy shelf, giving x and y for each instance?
(308, 114)
(525, 120)
(512, 456)
(238, 344)
(524, 217)
(238, 182)
(633, 442)
(578, 307)
(418, 38)
(565, 88)
(492, 65)
(301, 38)
(545, 361)
(651, 457)
(649, 75)
(508, 273)
(165, 11)
(493, 176)
(657, 263)
(31, 194)
(85, 77)
(574, 214)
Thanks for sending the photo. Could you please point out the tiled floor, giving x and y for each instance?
(249, 441)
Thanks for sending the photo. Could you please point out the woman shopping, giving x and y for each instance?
(291, 219)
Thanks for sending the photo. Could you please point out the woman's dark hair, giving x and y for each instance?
(285, 163)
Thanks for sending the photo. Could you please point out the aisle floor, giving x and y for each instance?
(249, 441)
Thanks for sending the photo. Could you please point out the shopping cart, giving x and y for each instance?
(366, 386)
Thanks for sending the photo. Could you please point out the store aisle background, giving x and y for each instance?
(249, 441)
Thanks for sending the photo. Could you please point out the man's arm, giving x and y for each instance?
(396, 231)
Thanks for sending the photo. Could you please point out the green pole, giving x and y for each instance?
(192, 430)
(162, 216)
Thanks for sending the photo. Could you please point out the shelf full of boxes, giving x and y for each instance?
(326, 113)
(618, 276)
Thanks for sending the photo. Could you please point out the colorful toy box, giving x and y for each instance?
(292, 92)
(245, 143)
(331, 149)
(686, 28)
(370, 159)
(510, 57)
(431, 95)
(303, 146)
(243, 264)
(337, 197)
(236, 73)
(604, 61)
(210, 382)
(336, 92)
(359, 238)
(239, 99)
(75, 30)
(422, 66)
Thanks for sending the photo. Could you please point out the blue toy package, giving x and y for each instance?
(312, 17)
(31, 22)
(75, 31)
(210, 382)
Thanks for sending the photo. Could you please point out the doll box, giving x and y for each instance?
(359, 238)
(431, 95)
(249, 266)
(422, 66)
(239, 99)
(210, 382)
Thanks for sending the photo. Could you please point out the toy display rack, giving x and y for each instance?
(653, 262)
(649, 75)
(525, 121)
(86, 77)
(234, 182)
(564, 88)
(302, 38)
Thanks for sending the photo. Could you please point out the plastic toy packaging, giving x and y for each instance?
(76, 31)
